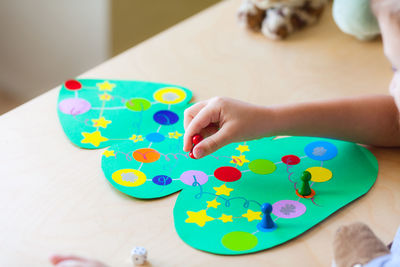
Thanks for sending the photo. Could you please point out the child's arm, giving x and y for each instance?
(370, 120)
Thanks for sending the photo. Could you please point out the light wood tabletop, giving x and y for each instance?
(55, 199)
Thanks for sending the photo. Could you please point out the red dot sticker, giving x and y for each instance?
(227, 174)
(73, 85)
(291, 160)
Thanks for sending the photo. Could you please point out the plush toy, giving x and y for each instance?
(277, 19)
(355, 18)
(356, 245)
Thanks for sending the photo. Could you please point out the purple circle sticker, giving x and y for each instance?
(74, 106)
(189, 177)
(288, 209)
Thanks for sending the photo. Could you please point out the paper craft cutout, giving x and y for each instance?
(219, 208)
(97, 114)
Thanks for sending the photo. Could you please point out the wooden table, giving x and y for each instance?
(54, 197)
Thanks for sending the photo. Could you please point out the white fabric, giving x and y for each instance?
(389, 260)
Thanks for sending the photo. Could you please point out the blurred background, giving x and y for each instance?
(45, 42)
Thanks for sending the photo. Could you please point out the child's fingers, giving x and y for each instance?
(205, 132)
(205, 117)
(209, 130)
(212, 143)
(74, 261)
(55, 259)
(191, 112)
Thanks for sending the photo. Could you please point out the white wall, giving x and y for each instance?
(44, 42)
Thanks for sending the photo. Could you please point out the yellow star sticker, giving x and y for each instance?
(105, 97)
(101, 122)
(252, 215)
(109, 153)
(242, 149)
(200, 217)
(223, 190)
(94, 138)
(239, 160)
(213, 204)
(105, 86)
(225, 218)
(136, 138)
(175, 135)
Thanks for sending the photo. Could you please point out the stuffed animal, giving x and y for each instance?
(355, 18)
(277, 19)
(356, 245)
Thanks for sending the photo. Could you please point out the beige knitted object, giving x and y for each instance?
(356, 244)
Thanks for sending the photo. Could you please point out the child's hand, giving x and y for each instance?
(222, 121)
(73, 261)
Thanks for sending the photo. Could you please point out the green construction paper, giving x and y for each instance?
(168, 150)
(129, 107)
(354, 171)
(236, 180)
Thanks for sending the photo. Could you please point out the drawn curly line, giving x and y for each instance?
(236, 161)
(84, 122)
(227, 204)
(127, 155)
(174, 155)
(312, 200)
(167, 158)
(163, 179)
(290, 173)
(139, 124)
(123, 100)
(144, 154)
(218, 157)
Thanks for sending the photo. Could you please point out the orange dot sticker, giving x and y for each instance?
(309, 196)
(146, 155)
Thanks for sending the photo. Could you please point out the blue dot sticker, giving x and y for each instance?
(162, 180)
(321, 150)
(155, 137)
(165, 117)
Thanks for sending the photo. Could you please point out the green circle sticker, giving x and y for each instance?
(138, 104)
(262, 166)
(239, 241)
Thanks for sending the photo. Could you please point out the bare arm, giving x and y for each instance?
(372, 120)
